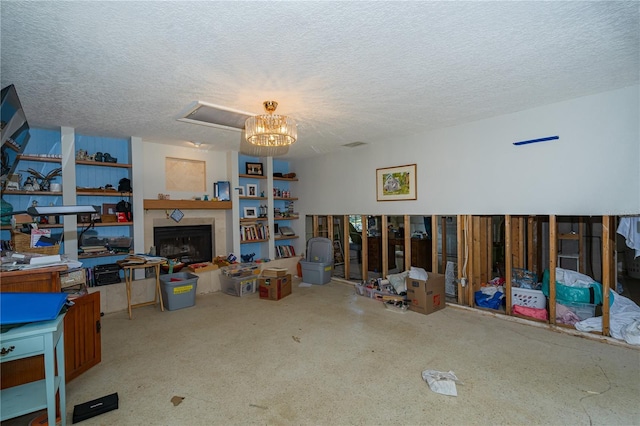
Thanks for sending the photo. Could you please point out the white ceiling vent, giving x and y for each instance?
(206, 114)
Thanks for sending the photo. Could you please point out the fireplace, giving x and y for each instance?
(189, 244)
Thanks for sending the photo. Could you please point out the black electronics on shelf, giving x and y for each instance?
(106, 274)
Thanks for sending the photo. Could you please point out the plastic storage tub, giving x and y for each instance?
(582, 310)
(178, 290)
(238, 286)
(318, 265)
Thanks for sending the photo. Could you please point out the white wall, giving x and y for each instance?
(154, 155)
(593, 169)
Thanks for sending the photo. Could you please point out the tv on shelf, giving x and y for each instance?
(14, 129)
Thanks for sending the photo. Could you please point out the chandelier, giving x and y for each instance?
(271, 129)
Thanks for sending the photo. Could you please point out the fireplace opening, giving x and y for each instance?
(188, 244)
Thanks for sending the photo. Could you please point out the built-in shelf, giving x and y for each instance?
(150, 204)
(102, 164)
(100, 254)
(38, 158)
(286, 218)
(34, 193)
(286, 198)
(252, 241)
(103, 193)
(252, 176)
(246, 197)
(287, 179)
(106, 224)
(290, 237)
(253, 219)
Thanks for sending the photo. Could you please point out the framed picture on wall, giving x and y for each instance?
(252, 190)
(254, 169)
(396, 183)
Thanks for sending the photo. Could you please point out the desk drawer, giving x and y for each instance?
(22, 348)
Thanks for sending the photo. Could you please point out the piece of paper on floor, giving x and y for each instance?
(441, 382)
(305, 285)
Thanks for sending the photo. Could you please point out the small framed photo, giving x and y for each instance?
(108, 208)
(241, 191)
(250, 213)
(252, 190)
(254, 169)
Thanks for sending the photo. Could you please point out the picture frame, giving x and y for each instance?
(254, 169)
(396, 183)
(252, 190)
(176, 215)
(240, 191)
(250, 213)
(109, 208)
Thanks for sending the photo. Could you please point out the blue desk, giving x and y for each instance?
(37, 338)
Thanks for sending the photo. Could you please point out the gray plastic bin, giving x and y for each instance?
(318, 265)
(178, 290)
(238, 286)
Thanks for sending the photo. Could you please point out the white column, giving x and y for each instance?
(137, 202)
(70, 230)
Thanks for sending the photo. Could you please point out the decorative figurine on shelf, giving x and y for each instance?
(45, 180)
(81, 155)
(246, 258)
(28, 185)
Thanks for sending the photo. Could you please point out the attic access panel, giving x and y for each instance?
(212, 115)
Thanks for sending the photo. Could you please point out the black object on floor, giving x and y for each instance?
(93, 408)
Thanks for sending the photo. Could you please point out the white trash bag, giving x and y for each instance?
(441, 382)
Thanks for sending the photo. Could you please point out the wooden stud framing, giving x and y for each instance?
(434, 243)
(346, 247)
(384, 241)
(507, 262)
(553, 258)
(407, 243)
(608, 268)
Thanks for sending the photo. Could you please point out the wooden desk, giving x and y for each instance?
(37, 338)
(128, 279)
(82, 327)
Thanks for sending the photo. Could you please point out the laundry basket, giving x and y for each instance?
(633, 265)
(318, 264)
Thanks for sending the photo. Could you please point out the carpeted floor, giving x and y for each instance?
(326, 356)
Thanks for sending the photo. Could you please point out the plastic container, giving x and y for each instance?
(528, 298)
(238, 286)
(582, 310)
(318, 265)
(178, 290)
(316, 272)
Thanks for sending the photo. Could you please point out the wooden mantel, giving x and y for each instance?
(186, 205)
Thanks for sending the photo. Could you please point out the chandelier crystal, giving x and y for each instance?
(271, 129)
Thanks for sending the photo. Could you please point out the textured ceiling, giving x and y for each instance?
(346, 71)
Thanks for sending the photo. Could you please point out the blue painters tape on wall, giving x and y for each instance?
(550, 138)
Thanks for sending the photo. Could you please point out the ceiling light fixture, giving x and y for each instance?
(196, 144)
(271, 129)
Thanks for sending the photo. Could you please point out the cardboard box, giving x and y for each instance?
(274, 272)
(275, 288)
(427, 296)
